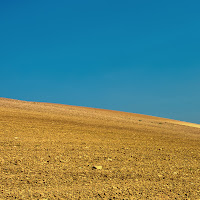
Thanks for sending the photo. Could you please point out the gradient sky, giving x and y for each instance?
(134, 56)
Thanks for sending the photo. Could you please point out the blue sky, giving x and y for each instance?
(134, 56)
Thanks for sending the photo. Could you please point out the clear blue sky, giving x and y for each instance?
(134, 56)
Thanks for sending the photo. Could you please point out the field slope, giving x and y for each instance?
(49, 151)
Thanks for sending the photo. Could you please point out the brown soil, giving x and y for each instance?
(51, 151)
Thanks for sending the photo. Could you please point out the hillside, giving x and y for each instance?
(49, 151)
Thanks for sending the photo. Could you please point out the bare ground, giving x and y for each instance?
(49, 151)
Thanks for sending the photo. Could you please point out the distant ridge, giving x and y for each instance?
(14, 102)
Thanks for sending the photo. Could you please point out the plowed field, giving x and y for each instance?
(52, 151)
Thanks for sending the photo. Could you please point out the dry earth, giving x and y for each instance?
(49, 151)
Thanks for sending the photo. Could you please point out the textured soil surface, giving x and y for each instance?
(51, 151)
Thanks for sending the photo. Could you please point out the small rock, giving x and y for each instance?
(97, 167)
(109, 159)
(2, 160)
